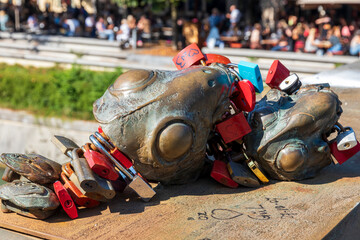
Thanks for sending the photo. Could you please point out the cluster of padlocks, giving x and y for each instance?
(98, 169)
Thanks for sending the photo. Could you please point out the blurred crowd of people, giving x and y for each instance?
(326, 35)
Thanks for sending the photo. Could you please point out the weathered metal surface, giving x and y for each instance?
(28, 199)
(287, 137)
(161, 120)
(34, 167)
(9, 175)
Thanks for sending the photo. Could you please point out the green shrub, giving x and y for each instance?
(59, 92)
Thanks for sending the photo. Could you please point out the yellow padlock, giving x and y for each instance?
(255, 169)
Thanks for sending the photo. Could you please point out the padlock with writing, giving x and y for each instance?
(251, 72)
(346, 138)
(221, 174)
(79, 198)
(189, 56)
(139, 185)
(233, 128)
(276, 75)
(65, 200)
(244, 97)
(100, 164)
(242, 175)
(290, 84)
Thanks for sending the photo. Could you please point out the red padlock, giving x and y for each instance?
(221, 174)
(216, 58)
(233, 128)
(78, 197)
(100, 164)
(66, 201)
(277, 73)
(344, 155)
(244, 98)
(189, 56)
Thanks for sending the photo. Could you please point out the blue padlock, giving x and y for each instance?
(251, 72)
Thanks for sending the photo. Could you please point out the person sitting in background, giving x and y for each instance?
(355, 44)
(311, 42)
(123, 35)
(32, 23)
(102, 31)
(72, 26)
(234, 16)
(144, 28)
(255, 37)
(89, 26)
(334, 39)
(3, 20)
(213, 39)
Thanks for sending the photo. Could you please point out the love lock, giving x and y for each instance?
(233, 128)
(221, 174)
(189, 56)
(251, 72)
(216, 58)
(277, 73)
(290, 84)
(65, 200)
(100, 164)
(242, 175)
(346, 138)
(75, 193)
(343, 156)
(244, 98)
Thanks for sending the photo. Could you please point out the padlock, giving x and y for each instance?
(244, 98)
(344, 155)
(189, 56)
(9, 175)
(221, 174)
(255, 169)
(216, 58)
(69, 172)
(242, 175)
(115, 152)
(83, 172)
(100, 164)
(79, 198)
(290, 84)
(346, 139)
(65, 144)
(138, 184)
(251, 72)
(119, 184)
(233, 128)
(65, 200)
(277, 73)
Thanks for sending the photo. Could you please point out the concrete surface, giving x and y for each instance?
(307, 209)
(346, 76)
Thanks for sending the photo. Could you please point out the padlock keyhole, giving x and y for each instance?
(68, 204)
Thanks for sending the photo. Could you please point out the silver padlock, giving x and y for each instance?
(290, 84)
(346, 139)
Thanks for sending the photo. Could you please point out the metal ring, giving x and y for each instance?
(102, 149)
(232, 65)
(103, 141)
(237, 75)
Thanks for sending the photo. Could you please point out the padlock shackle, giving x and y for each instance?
(102, 149)
(103, 141)
(337, 124)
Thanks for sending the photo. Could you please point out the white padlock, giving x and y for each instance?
(290, 84)
(346, 139)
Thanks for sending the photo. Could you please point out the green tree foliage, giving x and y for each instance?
(67, 93)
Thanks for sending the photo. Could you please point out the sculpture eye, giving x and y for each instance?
(291, 157)
(174, 141)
